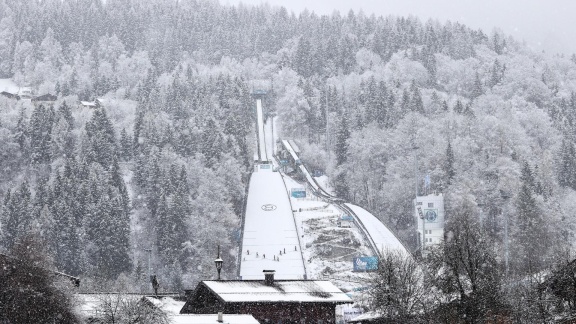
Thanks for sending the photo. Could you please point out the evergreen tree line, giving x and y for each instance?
(77, 198)
(85, 47)
(80, 210)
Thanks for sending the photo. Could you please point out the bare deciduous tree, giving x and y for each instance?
(126, 309)
(397, 289)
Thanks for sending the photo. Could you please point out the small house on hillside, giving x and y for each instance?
(98, 103)
(268, 300)
(25, 93)
(46, 100)
(10, 95)
(87, 104)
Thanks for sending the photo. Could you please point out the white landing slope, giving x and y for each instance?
(268, 229)
(381, 235)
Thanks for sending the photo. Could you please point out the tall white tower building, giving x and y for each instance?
(429, 211)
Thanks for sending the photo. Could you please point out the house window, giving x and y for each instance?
(428, 231)
(418, 203)
(430, 205)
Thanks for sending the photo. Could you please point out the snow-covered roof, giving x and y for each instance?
(168, 305)
(281, 291)
(88, 103)
(45, 97)
(212, 318)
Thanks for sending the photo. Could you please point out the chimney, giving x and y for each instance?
(220, 319)
(269, 277)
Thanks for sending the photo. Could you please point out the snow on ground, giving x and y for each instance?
(168, 305)
(324, 183)
(8, 85)
(381, 235)
(269, 229)
(328, 249)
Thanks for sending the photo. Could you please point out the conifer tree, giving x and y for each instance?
(405, 103)
(477, 90)
(101, 146)
(16, 215)
(416, 104)
(21, 133)
(40, 129)
(109, 232)
(65, 111)
(567, 168)
(212, 143)
(382, 104)
(342, 136)
(445, 106)
(496, 73)
(468, 111)
(531, 228)
(125, 145)
(459, 107)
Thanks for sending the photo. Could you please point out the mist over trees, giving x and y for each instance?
(165, 163)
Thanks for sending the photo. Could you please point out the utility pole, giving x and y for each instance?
(149, 263)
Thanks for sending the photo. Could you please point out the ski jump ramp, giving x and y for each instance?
(270, 229)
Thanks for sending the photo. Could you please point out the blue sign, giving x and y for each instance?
(298, 193)
(265, 166)
(347, 218)
(284, 162)
(365, 264)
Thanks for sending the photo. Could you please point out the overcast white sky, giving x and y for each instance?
(544, 24)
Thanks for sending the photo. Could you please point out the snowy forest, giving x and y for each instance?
(379, 104)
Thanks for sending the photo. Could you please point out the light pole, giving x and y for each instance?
(218, 262)
(149, 263)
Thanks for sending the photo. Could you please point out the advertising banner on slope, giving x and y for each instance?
(298, 192)
(364, 264)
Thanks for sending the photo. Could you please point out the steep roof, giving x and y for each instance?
(10, 95)
(307, 291)
(45, 97)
